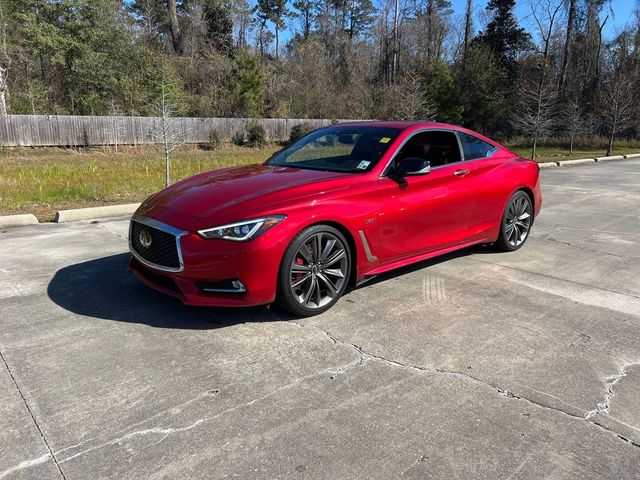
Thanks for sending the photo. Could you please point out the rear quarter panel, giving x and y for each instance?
(496, 179)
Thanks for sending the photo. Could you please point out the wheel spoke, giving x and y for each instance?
(317, 247)
(295, 268)
(523, 207)
(327, 250)
(317, 290)
(332, 290)
(334, 258)
(524, 215)
(306, 253)
(299, 282)
(309, 291)
(334, 272)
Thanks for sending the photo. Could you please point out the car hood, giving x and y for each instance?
(225, 194)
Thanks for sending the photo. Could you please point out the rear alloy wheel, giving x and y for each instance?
(315, 270)
(516, 222)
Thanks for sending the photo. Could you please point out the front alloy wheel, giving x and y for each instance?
(315, 271)
(516, 222)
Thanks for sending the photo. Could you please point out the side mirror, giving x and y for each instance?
(413, 166)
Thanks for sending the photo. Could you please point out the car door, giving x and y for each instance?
(426, 212)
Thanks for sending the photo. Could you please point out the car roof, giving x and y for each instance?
(406, 124)
(400, 124)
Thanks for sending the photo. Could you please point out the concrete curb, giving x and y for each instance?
(75, 214)
(18, 220)
(606, 159)
(577, 161)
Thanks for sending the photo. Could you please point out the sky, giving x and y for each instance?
(621, 12)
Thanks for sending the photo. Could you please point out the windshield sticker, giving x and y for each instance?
(363, 165)
(385, 139)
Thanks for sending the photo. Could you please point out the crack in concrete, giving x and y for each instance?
(102, 226)
(573, 245)
(28, 463)
(603, 408)
(25, 464)
(366, 356)
(166, 431)
(511, 267)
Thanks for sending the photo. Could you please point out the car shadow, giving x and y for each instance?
(103, 288)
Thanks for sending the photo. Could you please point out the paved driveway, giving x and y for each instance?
(478, 365)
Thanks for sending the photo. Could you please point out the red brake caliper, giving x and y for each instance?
(298, 275)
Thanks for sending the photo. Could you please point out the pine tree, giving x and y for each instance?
(504, 37)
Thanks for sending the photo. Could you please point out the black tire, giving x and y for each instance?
(516, 223)
(312, 278)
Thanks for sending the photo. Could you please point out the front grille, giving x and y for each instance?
(162, 251)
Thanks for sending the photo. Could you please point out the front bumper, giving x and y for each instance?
(211, 263)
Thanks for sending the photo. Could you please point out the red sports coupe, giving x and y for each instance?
(343, 203)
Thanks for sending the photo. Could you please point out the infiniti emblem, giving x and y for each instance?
(145, 239)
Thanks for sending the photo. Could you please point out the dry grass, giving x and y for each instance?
(43, 180)
(547, 154)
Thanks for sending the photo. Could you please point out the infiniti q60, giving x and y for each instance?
(340, 205)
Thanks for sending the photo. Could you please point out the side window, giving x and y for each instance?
(438, 147)
(475, 148)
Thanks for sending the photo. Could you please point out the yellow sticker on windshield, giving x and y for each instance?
(385, 140)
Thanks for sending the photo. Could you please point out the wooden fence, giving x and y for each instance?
(70, 130)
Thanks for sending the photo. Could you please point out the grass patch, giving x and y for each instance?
(42, 180)
(549, 154)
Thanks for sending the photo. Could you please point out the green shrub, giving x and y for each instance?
(214, 140)
(256, 136)
(238, 138)
(300, 130)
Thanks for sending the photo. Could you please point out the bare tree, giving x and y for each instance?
(116, 124)
(410, 101)
(617, 106)
(572, 117)
(534, 115)
(545, 14)
(4, 64)
(165, 128)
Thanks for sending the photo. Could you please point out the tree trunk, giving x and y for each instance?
(3, 91)
(174, 27)
(610, 145)
(534, 148)
(566, 56)
(394, 53)
(277, 41)
(430, 31)
(571, 145)
(307, 23)
(468, 26)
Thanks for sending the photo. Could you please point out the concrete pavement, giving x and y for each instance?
(476, 365)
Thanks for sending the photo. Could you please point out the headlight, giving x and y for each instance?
(242, 231)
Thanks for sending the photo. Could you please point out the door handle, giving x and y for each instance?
(461, 173)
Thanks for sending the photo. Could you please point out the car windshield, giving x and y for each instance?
(338, 149)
